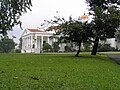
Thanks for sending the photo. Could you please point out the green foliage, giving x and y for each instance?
(87, 47)
(17, 50)
(106, 22)
(117, 35)
(102, 3)
(7, 45)
(10, 12)
(72, 31)
(75, 31)
(20, 43)
(106, 19)
(58, 72)
(47, 47)
(68, 49)
(56, 47)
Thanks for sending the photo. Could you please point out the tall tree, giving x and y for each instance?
(72, 31)
(106, 19)
(76, 32)
(10, 12)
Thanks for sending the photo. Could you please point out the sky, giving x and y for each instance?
(46, 10)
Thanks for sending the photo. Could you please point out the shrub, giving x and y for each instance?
(68, 49)
(56, 47)
(18, 50)
(47, 47)
(105, 47)
(7, 45)
(87, 47)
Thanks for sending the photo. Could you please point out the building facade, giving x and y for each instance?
(33, 39)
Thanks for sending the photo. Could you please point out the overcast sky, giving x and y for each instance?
(46, 10)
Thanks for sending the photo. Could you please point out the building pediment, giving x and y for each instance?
(38, 32)
(28, 31)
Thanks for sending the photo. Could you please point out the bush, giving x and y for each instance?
(68, 49)
(105, 47)
(47, 47)
(87, 47)
(56, 47)
(18, 50)
(7, 45)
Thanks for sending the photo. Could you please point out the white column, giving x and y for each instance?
(23, 44)
(48, 40)
(36, 42)
(26, 42)
(30, 42)
(41, 43)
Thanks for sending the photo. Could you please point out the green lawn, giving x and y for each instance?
(58, 72)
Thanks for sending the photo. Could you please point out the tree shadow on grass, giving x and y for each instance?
(87, 56)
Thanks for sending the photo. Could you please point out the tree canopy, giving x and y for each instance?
(72, 30)
(77, 32)
(7, 45)
(117, 35)
(104, 24)
(106, 19)
(10, 12)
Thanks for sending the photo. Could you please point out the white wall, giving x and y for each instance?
(112, 42)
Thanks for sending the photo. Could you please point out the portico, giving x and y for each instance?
(33, 39)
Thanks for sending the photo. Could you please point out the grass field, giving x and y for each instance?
(58, 72)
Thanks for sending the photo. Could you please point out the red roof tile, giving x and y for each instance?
(35, 30)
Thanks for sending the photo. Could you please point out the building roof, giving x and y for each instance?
(35, 30)
(53, 28)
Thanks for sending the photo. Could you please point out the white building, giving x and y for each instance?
(33, 39)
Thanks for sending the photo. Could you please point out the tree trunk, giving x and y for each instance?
(95, 46)
(79, 46)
